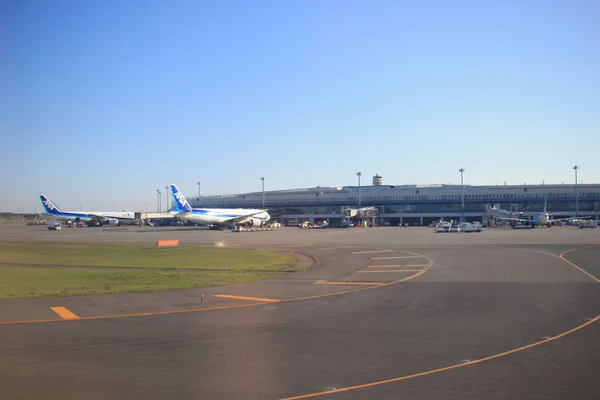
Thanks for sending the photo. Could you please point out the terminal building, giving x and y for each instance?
(413, 204)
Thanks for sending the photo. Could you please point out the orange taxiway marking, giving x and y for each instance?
(389, 270)
(226, 296)
(227, 307)
(64, 313)
(393, 258)
(450, 367)
(346, 283)
(372, 251)
(454, 366)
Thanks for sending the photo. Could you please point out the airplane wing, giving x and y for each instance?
(240, 218)
(571, 218)
(98, 217)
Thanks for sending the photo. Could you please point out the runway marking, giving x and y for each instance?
(64, 313)
(372, 251)
(394, 257)
(336, 247)
(561, 256)
(450, 367)
(200, 309)
(464, 364)
(385, 266)
(389, 270)
(415, 265)
(346, 283)
(226, 296)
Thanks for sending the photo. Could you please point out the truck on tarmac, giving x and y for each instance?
(54, 226)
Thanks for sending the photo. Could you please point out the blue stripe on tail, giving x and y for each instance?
(181, 203)
(49, 207)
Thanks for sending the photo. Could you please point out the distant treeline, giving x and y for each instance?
(9, 216)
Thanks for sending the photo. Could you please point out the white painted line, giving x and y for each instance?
(394, 257)
(372, 251)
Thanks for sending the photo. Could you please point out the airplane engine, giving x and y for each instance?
(258, 222)
(113, 222)
(250, 222)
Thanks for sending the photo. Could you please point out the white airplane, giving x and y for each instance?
(216, 217)
(89, 217)
(542, 219)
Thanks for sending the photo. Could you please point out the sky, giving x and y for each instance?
(104, 102)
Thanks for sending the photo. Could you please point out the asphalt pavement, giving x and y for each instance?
(384, 313)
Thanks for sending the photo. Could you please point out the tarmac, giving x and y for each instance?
(383, 313)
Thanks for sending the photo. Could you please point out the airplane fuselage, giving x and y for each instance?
(219, 216)
(120, 218)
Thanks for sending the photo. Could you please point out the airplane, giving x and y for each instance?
(91, 218)
(542, 219)
(216, 217)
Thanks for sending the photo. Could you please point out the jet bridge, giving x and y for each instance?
(148, 217)
(364, 216)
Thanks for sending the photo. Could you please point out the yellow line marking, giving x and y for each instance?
(372, 251)
(561, 255)
(433, 371)
(336, 247)
(393, 258)
(146, 314)
(415, 265)
(226, 296)
(346, 283)
(64, 313)
(385, 266)
(192, 310)
(450, 367)
(389, 270)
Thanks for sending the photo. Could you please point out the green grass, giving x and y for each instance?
(202, 258)
(215, 266)
(20, 282)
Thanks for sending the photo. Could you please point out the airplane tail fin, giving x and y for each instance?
(181, 203)
(545, 202)
(49, 207)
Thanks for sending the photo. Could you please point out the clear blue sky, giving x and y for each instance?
(103, 102)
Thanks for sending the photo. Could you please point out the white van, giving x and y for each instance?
(588, 224)
(54, 226)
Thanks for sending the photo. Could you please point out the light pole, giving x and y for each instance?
(157, 200)
(359, 174)
(576, 168)
(462, 196)
(167, 198)
(199, 202)
(262, 178)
